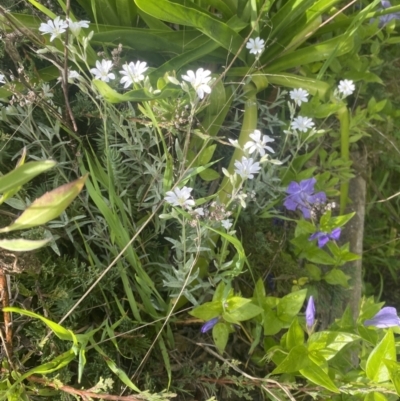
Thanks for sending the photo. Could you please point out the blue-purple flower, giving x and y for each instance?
(385, 19)
(301, 196)
(310, 313)
(386, 317)
(209, 325)
(323, 237)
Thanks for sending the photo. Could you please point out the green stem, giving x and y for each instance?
(344, 119)
(249, 125)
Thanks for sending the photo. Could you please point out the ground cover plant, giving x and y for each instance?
(214, 251)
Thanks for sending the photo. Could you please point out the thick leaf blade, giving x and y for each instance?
(376, 368)
(60, 331)
(47, 207)
(23, 174)
(22, 245)
(190, 16)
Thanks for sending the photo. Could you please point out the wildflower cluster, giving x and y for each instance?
(58, 26)
(131, 73)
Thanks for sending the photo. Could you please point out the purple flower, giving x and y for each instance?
(310, 313)
(301, 196)
(386, 317)
(323, 238)
(209, 325)
(385, 19)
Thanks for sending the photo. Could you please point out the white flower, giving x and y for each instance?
(2, 79)
(302, 124)
(46, 91)
(247, 168)
(199, 81)
(227, 224)
(75, 27)
(180, 197)
(55, 27)
(256, 46)
(346, 87)
(258, 143)
(199, 211)
(299, 96)
(133, 73)
(102, 70)
(73, 75)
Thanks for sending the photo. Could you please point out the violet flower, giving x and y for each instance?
(386, 317)
(385, 19)
(323, 238)
(301, 196)
(209, 325)
(310, 313)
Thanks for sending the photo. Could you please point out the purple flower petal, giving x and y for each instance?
(320, 197)
(293, 188)
(209, 325)
(290, 203)
(307, 186)
(323, 240)
(335, 234)
(310, 313)
(386, 317)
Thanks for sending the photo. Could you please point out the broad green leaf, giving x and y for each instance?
(245, 312)
(22, 245)
(220, 334)
(209, 175)
(13, 191)
(189, 16)
(48, 207)
(289, 306)
(295, 335)
(208, 311)
(368, 334)
(394, 373)
(316, 375)
(337, 277)
(43, 9)
(23, 174)
(58, 330)
(235, 303)
(375, 396)
(296, 360)
(329, 343)
(314, 272)
(272, 324)
(311, 54)
(206, 155)
(375, 368)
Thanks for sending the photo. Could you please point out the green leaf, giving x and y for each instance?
(23, 174)
(314, 272)
(375, 368)
(220, 334)
(394, 373)
(22, 245)
(296, 360)
(374, 396)
(209, 175)
(329, 343)
(190, 16)
(272, 324)
(368, 334)
(316, 375)
(57, 329)
(47, 207)
(208, 311)
(295, 335)
(337, 277)
(289, 306)
(235, 303)
(245, 312)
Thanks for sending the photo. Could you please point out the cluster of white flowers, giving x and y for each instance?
(199, 81)
(345, 88)
(58, 26)
(132, 72)
(2, 79)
